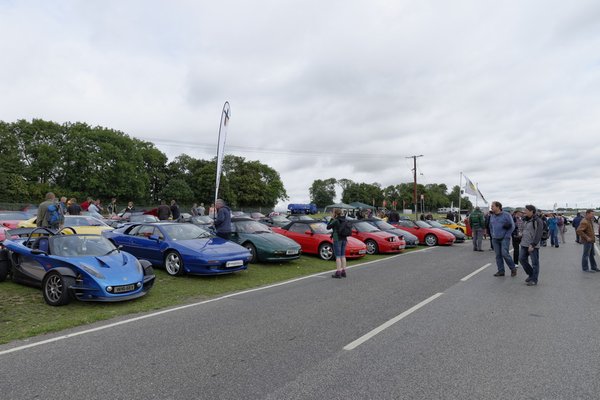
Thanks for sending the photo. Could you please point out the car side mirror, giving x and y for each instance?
(156, 238)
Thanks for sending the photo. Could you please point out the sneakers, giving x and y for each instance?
(528, 279)
(513, 272)
(531, 283)
(343, 273)
(337, 275)
(499, 274)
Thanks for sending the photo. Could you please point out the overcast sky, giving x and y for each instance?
(506, 92)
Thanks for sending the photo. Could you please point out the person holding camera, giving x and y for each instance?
(501, 229)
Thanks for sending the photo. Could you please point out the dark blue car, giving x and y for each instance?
(181, 248)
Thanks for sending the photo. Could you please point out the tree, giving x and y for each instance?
(322, 192)
(364, 193)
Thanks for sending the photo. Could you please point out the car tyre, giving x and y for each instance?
(252, 250)
(431, 239)
(173, 263)
(3, 270)
(55, 288)
(326, 251)
(372, 247)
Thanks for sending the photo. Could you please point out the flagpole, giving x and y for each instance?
(225, 115)
(459, 194)
(477, 197)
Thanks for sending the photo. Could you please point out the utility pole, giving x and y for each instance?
(415, 181)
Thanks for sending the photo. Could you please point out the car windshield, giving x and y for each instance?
(7, 216)
(435, 224)
(184, 232)
(143, 218)
(83, 221)
(80, 245)
(423, 224)
(320, 227)
(250, 227)
(202, 219)
(384, 226)
(363, 226)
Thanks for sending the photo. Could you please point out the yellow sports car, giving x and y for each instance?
(81, 223)
(453, 225)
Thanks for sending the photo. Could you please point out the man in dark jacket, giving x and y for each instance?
(576, 222)
(530, 245)
(163, 211)
(477, 223)
(501, 227)
(175, 210)
(223, 220)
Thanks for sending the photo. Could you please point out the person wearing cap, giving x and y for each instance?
(533, 227)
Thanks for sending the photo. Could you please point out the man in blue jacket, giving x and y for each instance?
(501, 227)
(223, 220)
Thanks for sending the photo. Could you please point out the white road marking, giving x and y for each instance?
(475, 272)
(389, 323)
(127, 321)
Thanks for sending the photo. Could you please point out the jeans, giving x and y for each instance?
(588, 254)
(554, 237)
(501, 249)
(516, 242)
(477, 238)
(339, 248)
(533, 269)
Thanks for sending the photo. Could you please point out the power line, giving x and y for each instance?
(249, 149)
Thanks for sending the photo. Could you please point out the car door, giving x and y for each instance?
(297, 232)
(30, 267)
(142, 246)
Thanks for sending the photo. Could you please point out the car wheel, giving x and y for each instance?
(372, 247)
(56, 288)
(173, 263)
(3, 270)
(431, 239)
(252, 250)
(326, 251)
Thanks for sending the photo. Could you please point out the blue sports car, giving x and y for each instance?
(181, 248)
(84, 267)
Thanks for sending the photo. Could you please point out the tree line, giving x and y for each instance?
(323, 192)
(78, 160)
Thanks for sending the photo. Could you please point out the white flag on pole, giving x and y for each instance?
(225, 115)
(473, 190)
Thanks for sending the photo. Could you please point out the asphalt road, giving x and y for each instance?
(479, 338)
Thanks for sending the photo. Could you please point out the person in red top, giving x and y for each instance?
(84, 206)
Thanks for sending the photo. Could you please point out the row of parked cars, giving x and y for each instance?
(113, 260)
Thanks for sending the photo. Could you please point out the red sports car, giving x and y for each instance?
(426, 234)
(377, 241)
(314, 238)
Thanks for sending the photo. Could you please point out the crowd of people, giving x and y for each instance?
(528, 230)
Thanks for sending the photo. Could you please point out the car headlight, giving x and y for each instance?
(92, 271)
(392, 238)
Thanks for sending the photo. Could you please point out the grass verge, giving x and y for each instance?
(23, 312)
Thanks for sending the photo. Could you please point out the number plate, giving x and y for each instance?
(362, 252)
(236, 263)
(290, 252)
(124, 288)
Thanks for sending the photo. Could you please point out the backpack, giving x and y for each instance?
(545, 229)
(53, 215)
(345, 229)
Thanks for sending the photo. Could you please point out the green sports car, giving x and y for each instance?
(262, 243)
